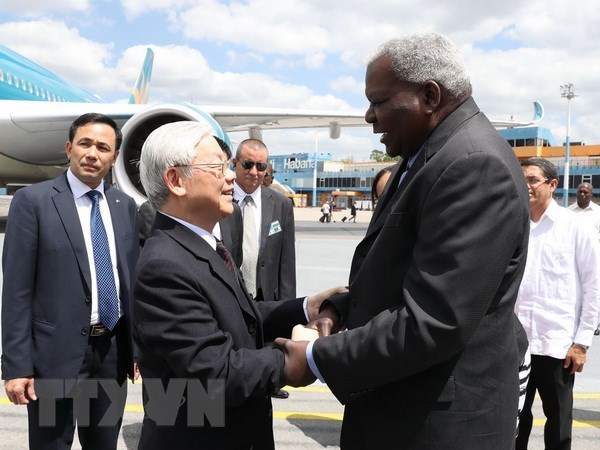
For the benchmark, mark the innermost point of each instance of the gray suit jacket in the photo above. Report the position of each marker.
(276, 266)
(46, 298)
(430, 357)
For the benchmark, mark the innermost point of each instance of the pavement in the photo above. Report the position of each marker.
(311, 417)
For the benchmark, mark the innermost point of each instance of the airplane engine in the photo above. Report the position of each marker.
(138, 128)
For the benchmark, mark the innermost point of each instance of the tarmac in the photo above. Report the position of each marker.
(311, 417)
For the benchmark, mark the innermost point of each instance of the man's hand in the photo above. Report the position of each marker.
(575, 358)
(296, 371)
(20, 391)
(136, 371)
(324, 325)
(314, 301)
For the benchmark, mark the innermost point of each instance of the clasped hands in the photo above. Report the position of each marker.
(297, 371)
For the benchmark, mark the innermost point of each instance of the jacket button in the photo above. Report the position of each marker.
(85, 331)
(251, 328)
(88, 298)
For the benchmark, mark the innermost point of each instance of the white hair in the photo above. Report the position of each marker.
(420, 57)
(172, 144)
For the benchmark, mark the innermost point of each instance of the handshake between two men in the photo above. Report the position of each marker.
(324, 320)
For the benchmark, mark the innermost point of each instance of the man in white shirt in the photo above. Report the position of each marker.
(585, 205)
(591, 214)
(558, 304)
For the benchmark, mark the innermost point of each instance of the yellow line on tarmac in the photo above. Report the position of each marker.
(299, 415)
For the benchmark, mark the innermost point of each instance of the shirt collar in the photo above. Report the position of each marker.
(239, 194)
(79, 188)
(552, 211)
(208, 237)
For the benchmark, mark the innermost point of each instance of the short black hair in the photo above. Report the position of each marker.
(376, 180)
(223, 146)
(548, 169)
(88, 118)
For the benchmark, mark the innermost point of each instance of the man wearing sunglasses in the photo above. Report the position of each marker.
(269, 258)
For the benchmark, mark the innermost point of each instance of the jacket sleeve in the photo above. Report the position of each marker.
(287, 271)
(463, 247)
(19, 269)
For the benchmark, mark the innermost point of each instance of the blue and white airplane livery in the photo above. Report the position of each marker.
(38, 106)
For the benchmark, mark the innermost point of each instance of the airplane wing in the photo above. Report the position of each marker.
(34, 133)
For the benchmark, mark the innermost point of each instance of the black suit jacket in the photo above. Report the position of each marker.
(195, 320)
(276, 265)
(430, 358)
(46, 298)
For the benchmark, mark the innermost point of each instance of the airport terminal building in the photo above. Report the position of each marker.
(344, 182)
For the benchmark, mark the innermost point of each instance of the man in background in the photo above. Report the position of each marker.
(268, 249)
(69, 253)
(268, 180)
(590, 212)
(558, 304)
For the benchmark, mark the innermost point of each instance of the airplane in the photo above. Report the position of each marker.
(37, 107)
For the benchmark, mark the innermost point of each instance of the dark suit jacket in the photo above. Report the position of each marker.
(231, 229)
(195, 320)
(430, 358)
(46, 299)
(232, 234)
(276, 266)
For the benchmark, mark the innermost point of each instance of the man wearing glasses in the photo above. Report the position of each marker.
(195, 324)
(269, 258)
(558, 304)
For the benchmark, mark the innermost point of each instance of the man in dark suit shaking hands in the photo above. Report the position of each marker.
(194, 319)
(430, 357)
(69, 252)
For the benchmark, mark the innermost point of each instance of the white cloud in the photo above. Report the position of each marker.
(346, 84)
(62, 49)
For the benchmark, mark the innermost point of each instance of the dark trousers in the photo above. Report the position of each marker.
(555, 386)
(98, 416)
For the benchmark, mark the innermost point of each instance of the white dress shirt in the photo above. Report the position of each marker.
(590, 215)
(559, 298)
(84, 209)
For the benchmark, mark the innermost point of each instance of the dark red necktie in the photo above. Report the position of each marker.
(224, 254)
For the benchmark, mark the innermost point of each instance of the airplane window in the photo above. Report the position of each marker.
(37, 90)
(1, 75)
(23, 85)
(30, 87)
(43, 93)
(8, 78)
(16, 82)
(53, 97)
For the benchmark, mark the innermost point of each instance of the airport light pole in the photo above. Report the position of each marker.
(567, 91)
(314, 199)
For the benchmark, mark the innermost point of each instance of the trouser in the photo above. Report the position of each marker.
(98, 416)
(555, 387)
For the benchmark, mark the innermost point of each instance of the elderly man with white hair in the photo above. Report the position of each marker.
(194, 320)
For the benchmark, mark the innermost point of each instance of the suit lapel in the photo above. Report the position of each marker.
(120, 224)
(202, 250)
(67, 211)
(267, 207)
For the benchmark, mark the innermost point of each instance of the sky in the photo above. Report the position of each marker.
(312, 53)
